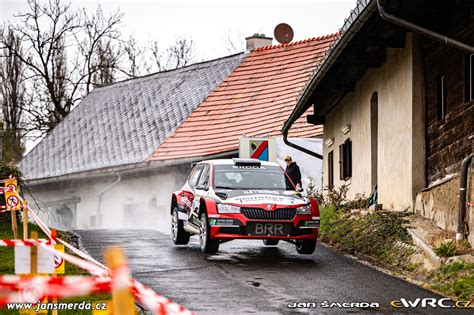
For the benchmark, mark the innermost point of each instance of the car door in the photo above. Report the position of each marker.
(201, 189)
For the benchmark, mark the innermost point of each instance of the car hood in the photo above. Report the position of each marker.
(252, 197)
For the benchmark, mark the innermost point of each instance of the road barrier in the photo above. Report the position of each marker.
(115, 278)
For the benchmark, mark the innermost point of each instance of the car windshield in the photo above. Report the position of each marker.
(247, 177)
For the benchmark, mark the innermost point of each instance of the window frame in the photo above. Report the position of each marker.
(197, 168)
(331, 169)
(204, 174)
(345, 160)
(442, 97)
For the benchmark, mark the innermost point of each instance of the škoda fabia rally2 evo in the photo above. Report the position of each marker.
(223, 200)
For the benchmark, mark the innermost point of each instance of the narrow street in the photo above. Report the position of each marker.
(247, 277)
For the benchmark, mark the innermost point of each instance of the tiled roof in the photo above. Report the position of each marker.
(254, 100)
(123, 123)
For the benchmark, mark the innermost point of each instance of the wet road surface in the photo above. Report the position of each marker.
(248, 277)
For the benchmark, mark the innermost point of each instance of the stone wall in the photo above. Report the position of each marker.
(440, 203)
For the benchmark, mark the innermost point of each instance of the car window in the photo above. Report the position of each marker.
(194, 177)
(204, 180)
(233, 177)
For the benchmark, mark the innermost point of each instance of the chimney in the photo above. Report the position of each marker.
(257, 40)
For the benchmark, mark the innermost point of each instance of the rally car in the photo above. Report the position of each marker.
(229, 199)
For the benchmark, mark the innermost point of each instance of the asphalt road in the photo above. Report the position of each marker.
(247, 277)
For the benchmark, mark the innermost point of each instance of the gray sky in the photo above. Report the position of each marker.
(210, 22)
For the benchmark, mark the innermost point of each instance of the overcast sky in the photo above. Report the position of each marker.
(209, 23)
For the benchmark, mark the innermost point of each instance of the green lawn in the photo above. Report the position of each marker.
(7, 266)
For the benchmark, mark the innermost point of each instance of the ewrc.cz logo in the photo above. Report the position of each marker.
(430, 302)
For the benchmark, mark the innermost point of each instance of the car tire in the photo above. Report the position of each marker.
(208, 246)
(270, 242)
(306, 247)
(178, 234)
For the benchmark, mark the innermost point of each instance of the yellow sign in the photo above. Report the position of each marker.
(11, 197)
(59, 263)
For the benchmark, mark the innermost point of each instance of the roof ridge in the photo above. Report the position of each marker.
(303, 41)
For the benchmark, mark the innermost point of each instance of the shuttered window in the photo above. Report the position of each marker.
(331, 169)
(345, 160)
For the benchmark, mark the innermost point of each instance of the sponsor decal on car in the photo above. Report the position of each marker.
(279, 200)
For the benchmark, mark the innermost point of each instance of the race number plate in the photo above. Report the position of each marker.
(270, 228)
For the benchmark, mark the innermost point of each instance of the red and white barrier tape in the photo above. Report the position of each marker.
(84, 264)
(81, 254)
(33, 289)
(155, 302)
(25, 242)
(144, 295)
(6, 189)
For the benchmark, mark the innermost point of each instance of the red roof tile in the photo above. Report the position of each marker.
(254, 100)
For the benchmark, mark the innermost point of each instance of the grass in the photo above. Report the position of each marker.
(7, 266)
(360, 233)
(455, 279)
(449, 248)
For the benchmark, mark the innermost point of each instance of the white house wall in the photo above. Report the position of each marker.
(394, 84)
(134, 202)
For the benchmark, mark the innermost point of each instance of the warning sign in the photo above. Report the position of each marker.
(12, 201)
(11, 194)
(59, 263)
(259, 149)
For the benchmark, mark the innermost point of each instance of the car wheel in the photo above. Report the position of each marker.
(207, 245)
(178, 234)
(270, 242)
(305, 246)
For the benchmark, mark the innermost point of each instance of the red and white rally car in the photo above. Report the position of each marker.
(223, 200)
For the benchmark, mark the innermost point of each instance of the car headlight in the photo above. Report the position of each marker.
(224, 208)
(304, 209)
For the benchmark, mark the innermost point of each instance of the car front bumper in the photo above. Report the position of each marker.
(237, 226)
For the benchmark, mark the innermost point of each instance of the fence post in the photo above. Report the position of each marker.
(34, 254)
(122, 298)
(14, 224)
(54, 298)
(25, 220)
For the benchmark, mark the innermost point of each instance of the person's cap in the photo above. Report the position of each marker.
(287, 158)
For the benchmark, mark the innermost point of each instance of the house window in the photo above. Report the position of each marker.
(469, 77)
(345, 160)
(442, 97)
(331, 169)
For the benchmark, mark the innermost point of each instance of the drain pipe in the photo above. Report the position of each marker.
(100, 196)
(300, 148)
(423, 31)
(462, 197)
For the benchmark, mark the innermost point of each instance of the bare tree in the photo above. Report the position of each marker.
(100, 49)
(180, 54)
(157, 57)
(135, 64)
(106, 63)
(60, 46)
(13, 99)
(233, 41)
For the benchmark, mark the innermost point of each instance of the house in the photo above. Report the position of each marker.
(397, 105)
(118, 156)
